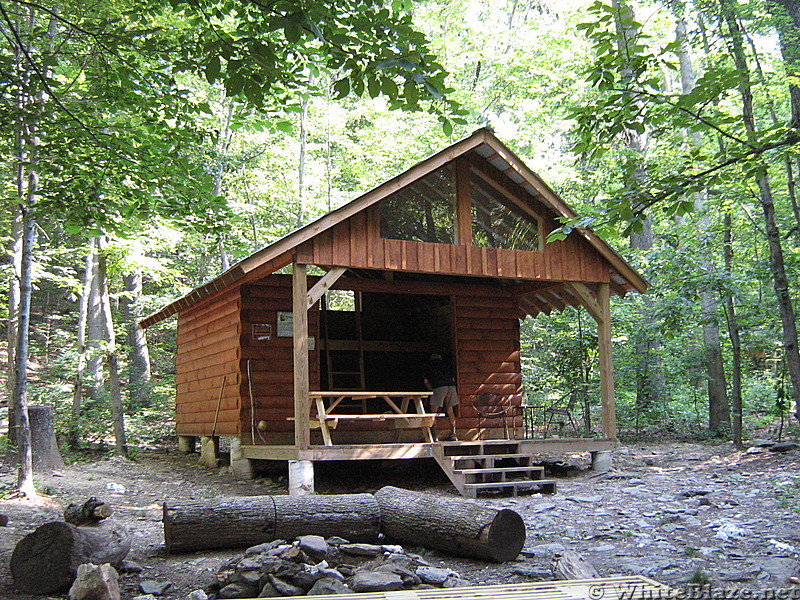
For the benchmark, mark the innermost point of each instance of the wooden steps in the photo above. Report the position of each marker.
(546, 486)
(490, 467)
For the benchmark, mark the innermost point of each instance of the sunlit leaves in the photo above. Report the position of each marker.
(263, 54)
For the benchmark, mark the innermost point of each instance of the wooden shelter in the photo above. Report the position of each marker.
(312, 348)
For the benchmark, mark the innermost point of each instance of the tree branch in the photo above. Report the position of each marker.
(789, 141)
(692, 114)
(35, 68)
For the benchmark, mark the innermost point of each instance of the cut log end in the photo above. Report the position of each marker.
(460, 527)
(506, 536)
(91, 511)
(47, 560)
(36, 568)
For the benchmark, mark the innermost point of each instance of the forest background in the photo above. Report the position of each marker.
(149, 145)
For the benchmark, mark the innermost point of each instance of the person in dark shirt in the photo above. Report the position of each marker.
(439, 378)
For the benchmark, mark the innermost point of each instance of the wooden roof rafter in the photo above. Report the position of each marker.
(536, 306)
(529, 288)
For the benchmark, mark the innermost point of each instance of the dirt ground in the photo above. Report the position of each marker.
(679, 513)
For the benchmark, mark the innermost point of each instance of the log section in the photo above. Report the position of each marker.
(46, 561)
(459, 527)
(242, 522)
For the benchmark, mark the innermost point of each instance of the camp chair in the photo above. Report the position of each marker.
(561, 410)
(491, 406)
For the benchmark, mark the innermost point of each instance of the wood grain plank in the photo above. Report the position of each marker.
(359, 240)
(507, 263)
(325, 243)
(475, 264)
(341, 244)
(305, 252)
(486, 334)
(226, 323)
(393, 254)
(427, 258)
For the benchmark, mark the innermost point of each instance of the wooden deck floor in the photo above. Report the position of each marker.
(609, 588)
(415, 450)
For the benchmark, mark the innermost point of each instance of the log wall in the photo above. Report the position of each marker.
(208, 351)
(271, 367)
(488, 355)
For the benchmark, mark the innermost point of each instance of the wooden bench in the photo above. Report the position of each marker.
(400, 417)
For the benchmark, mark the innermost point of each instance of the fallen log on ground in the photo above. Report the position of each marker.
(571, 565)
(91, 511)
(248, 521)
(460, 527)
(46, 561)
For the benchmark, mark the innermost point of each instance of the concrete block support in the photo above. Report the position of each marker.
(187, 443)
(301, 477)
(241, 467)
(602, 461)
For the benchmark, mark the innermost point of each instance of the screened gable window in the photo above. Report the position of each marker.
(423, 211)
(497, 223)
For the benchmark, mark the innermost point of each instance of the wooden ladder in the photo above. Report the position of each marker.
(491, 467)
(350, 376)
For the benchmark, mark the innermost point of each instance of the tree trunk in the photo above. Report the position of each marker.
(651, 379)
(718, 407)
(223, 146)
(776, 262)
(138, 353)
(719, 413)
(787, 22)
(301, 163)
(46, 561)
(45, 455)
(459, 527)
(243, 522)
(733, 334)
(15, 260)
(19, 399)
(80, 369)
(117, 408)
(95, 335)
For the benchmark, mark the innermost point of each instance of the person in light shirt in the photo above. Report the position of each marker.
(439, 379)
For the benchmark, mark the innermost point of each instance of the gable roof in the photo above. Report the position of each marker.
(277, 254)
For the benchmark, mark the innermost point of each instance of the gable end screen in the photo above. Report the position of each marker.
(425, 211)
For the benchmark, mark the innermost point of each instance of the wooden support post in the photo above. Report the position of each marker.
(606, 362)
(302, 432)
(463, 205)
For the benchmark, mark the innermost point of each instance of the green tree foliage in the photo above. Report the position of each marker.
(134, 97)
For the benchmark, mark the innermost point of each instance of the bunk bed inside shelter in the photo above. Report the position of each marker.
(313, 348)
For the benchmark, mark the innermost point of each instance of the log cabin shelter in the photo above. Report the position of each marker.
(313, 347)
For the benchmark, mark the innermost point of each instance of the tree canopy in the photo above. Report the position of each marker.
(190, 133)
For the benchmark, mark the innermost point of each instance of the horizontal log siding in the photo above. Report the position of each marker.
(271, 364)
(488, 354)
(208, 350)
(356, 242)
